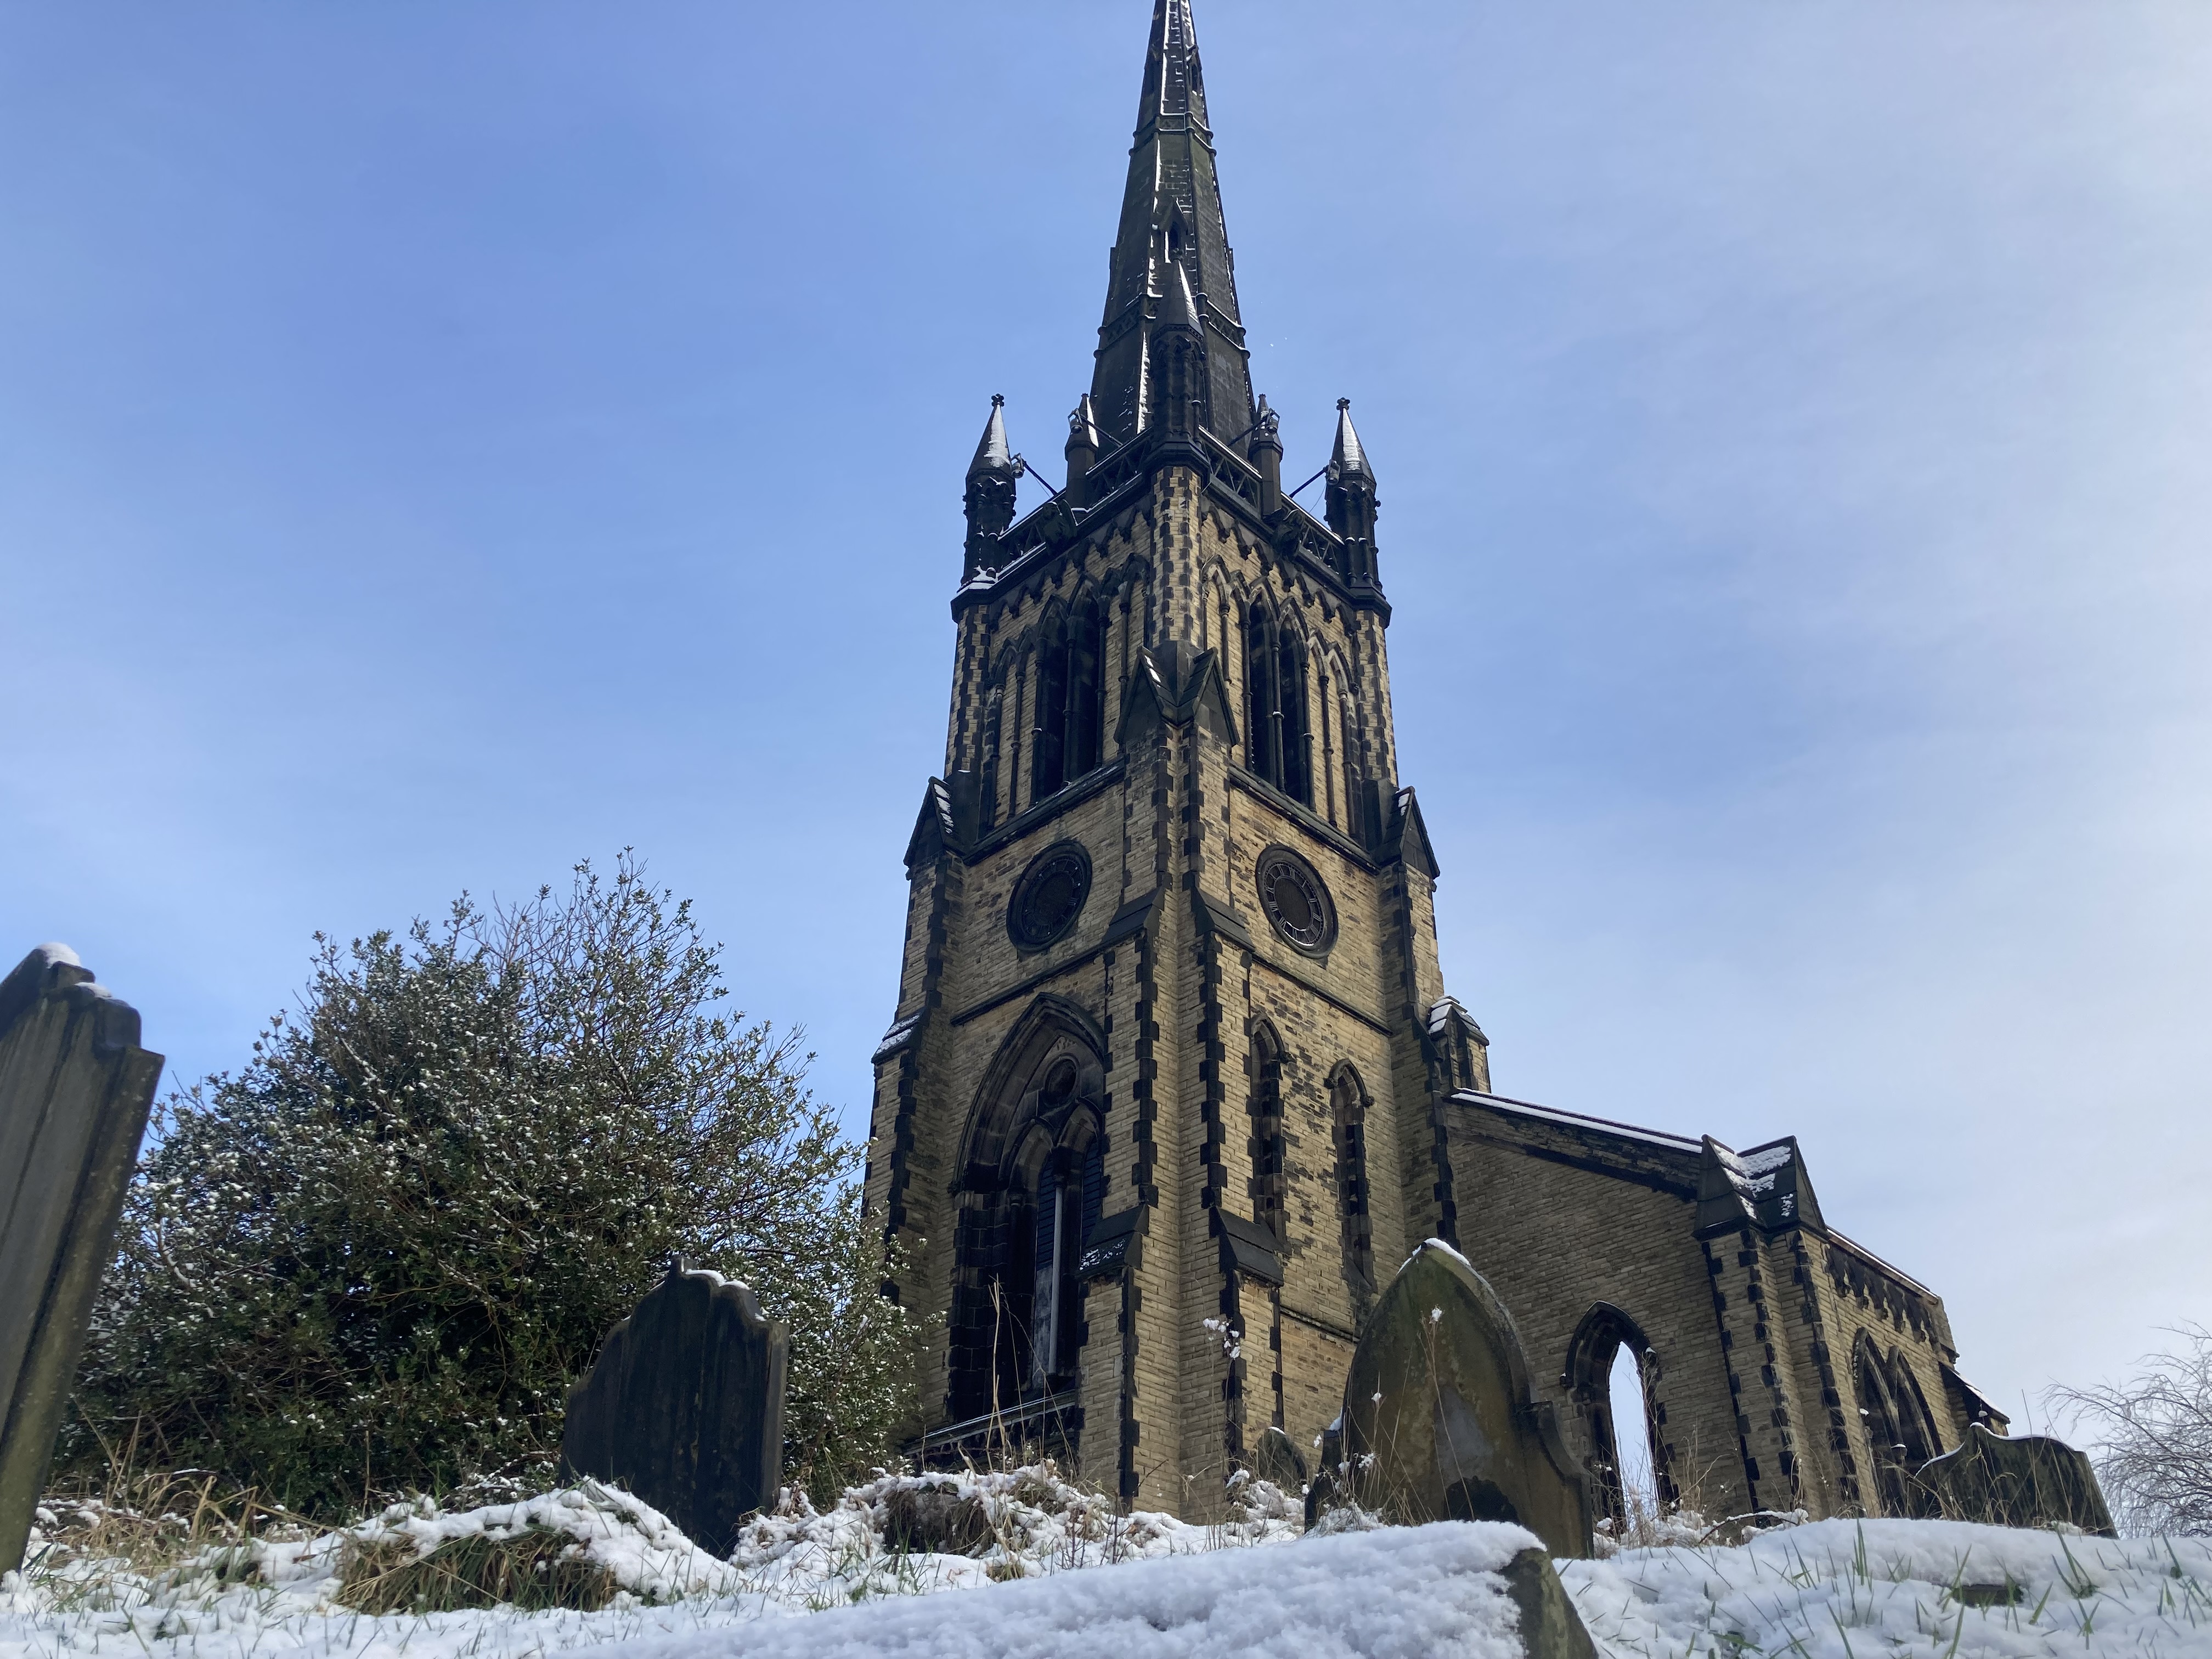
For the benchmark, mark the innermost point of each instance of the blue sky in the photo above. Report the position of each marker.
(439, 442)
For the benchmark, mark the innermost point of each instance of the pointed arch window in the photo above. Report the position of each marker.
(1068, 1186)
(1901, 1430)
(992, 704)
(1347, 724)
(1275, 726)
(1613, 1379)
(1266, 1106)
(1070, 710)
(1347, 1102)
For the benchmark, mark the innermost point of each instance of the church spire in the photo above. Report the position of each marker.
(1352, 500)
(1171, 216)
(989, 498)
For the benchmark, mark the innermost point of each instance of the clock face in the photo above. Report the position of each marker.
(1049, 897)
(1294, 900)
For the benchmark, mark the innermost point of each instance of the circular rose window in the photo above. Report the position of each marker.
(1049, 896)
(1295, 899)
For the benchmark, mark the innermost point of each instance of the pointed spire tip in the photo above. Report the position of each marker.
(992, 455)
(1349, 459)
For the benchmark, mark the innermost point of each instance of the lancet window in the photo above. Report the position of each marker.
(1348, 1106)
(1069, 1189)
(1275, 726)
(1899, 1428)
(1266, 1105)
(1612, 1378)
(1070, 711)
(993, 705)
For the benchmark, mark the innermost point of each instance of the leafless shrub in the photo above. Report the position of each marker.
(2152, 1438)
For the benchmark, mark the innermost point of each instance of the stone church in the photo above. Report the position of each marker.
(1174, 1082)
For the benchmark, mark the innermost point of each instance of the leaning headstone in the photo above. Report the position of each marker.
(684, 1407)
(2032, 1481)
(1439, 1421)
(74, 1090)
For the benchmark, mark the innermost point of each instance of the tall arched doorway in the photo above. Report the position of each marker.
(1032, 1176)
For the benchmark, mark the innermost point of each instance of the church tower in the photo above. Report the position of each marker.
(1163, 1099)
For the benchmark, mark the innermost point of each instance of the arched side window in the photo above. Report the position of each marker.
(1070, 720)
(1086, 705)
(1922, 1441)
(992, 704)
(1896, 1420)
(1275, 725)
(1062, 1167)
(1611, 1379)
(1297, 779)
(1348, 1101)
(1348, 725)
(1266, 1099)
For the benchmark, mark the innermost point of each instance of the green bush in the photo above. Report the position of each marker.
(374, 1260)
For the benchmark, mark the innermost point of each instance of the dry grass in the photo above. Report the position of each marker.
(140, 1527)
(148, 1523)
(532, 1569)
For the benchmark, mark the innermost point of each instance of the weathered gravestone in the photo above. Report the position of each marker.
(75, 1089)
(2032, 1481)
(684, 1407)
(1439, 1423)
(1276, 1458)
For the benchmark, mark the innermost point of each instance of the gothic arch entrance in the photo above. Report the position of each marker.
(1032, 1178)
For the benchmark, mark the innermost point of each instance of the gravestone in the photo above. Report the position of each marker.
(684, 1407)
(2032, 1481)
(75, 1089)
(1551, 1626)
(1439, 1421)
(1276, 1458)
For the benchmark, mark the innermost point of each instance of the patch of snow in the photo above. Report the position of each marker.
(1767, 1160)
(1438, 1244)
(1425, 1592)
(1854, 1589)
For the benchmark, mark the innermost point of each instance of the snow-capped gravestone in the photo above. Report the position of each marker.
(1439, 1421)
(684, 1408)
(75, 1089)
(2032, 1481)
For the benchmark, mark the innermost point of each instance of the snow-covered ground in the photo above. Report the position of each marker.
(862, 1578)
(1854, 1589)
